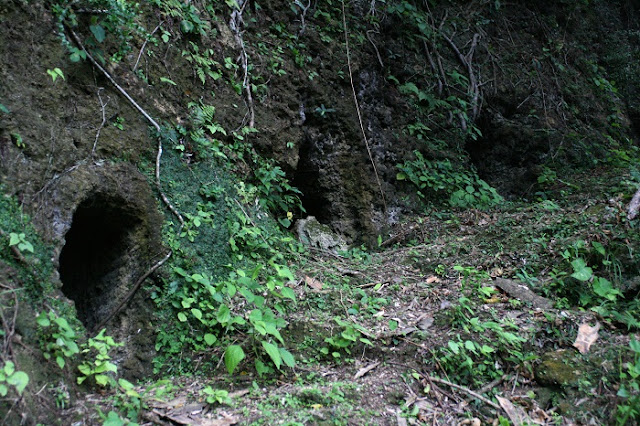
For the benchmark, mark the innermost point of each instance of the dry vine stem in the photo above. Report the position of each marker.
(235, 23)
(357, 104)
(166, 201)
(145, 114)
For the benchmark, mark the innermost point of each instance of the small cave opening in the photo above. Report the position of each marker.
(307, 179)
(508, 155)
(97, 255)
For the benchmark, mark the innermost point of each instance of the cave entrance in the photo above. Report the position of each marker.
(96, 257)
(508, 155)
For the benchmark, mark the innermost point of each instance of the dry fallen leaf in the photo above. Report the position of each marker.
(515, 414)
(587, 335)
(433, 279)
(313, 283)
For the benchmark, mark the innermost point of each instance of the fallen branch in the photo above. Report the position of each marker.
(357, 104)
(463, 389)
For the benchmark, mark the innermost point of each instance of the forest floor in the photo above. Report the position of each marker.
(433, 330)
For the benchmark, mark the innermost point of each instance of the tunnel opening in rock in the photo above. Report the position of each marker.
(508, 156)
(97, 255)
(307, 179)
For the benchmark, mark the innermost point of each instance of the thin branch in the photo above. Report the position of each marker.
(133, 291)
(104, 120)
(375, 48)
(145, 114)
(144, 45)
(466, 61)
(235, 23)
(302, 16)
(464, 389)
(355, 100)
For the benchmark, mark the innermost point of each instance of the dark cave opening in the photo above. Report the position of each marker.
(307, 179)
(508, 156)
(96, 255)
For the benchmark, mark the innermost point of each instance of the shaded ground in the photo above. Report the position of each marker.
(402, 311)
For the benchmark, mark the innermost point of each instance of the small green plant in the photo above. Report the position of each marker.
(463, 188)
(20, 240)
(350, 335)
(16, 138)
(10, 377)
(55, 73)
(629, 407)
(322, 111)
(216, 396)
(97, 363)
(57, 338)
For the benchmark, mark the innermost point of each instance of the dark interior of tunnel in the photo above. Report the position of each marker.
(94, 255)
(306, 179)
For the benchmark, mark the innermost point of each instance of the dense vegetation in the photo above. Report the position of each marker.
(460, 148)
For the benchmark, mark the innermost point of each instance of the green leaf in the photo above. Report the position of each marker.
(288, 293)
(98, 32)
(635, 346)
(210, 339)
(581, 271)
(197, 313)
(166, 80)
(20, 380)
(42, 320)
(101, 379)
(232, 357)
(182, 317)
(113, 419)
(274, 354)
(186, 26)
(60, 362)
(9, 368)
(13, 239)
(224, 314)
(393, 325)
(4, 109)
(3, 390)
(287, 357)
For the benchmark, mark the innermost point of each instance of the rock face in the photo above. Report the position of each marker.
(314, 234)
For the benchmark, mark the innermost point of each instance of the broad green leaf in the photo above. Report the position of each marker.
(232, 357)
(224, 314)
(42, 320)
(182, 317)
(635, 345)
(101, 379)
(581, 271)
(3, 390)
(274, 354)
(20, 380)
(288, 293)
(197, 313)
(287, 357)
(60, 362)
(113, 419)
(98, 32)
(9, 368)
(13, 239)
(210, 339)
